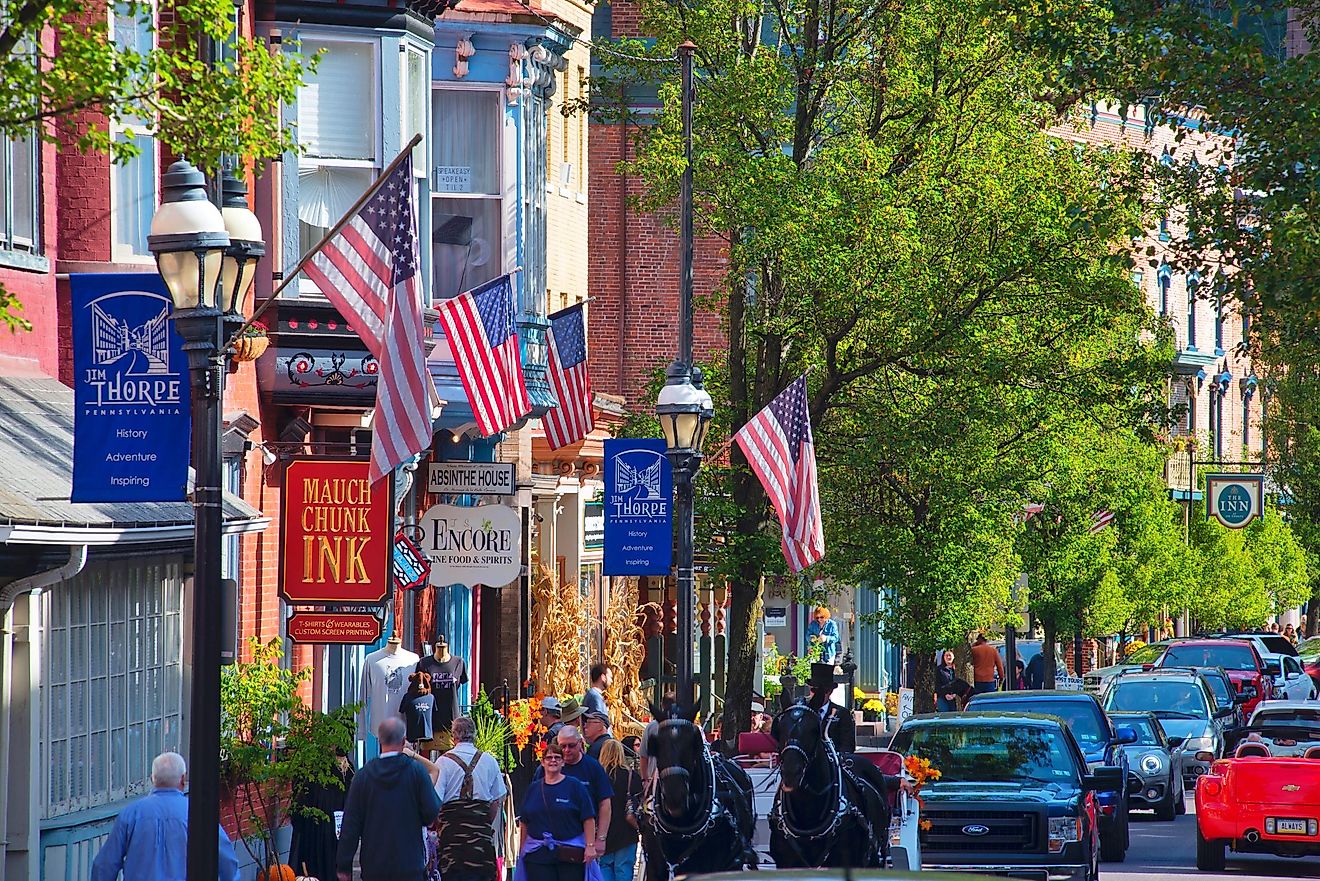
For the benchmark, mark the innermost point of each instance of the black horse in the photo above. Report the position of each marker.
(823, 816)
(699, 817)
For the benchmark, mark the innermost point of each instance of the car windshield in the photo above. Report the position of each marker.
(1217, 684)
(990, 753)
(1083, 717)
(1143, 725)
(1286, 716)
(1146, 654)
(1161, 698)
(1228, 656)
(1278, 645)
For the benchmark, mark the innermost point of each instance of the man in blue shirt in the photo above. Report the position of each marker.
(149, 841)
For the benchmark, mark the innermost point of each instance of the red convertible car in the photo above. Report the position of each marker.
(1257, 804)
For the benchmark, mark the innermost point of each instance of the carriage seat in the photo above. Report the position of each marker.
(886, 762)
(756, 746)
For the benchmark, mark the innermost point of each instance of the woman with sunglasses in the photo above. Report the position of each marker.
(824, 633)
(557, 826)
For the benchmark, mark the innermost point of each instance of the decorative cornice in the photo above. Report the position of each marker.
(546, 59)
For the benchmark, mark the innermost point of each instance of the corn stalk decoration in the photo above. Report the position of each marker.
(625, 650)
(560, 624)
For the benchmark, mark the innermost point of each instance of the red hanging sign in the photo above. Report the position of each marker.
(334, 628)
(336, 533)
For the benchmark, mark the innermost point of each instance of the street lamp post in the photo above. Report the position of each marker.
(685, 409)
(208, 260)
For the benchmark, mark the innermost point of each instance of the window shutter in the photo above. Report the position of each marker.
(338, 102)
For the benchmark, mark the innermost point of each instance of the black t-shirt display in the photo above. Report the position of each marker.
(446, 677)
(418, 711)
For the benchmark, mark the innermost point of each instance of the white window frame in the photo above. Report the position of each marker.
(305, 284)
(121, 252)
(9, 239)
(137, 606)
(501, 169)
(408, 51)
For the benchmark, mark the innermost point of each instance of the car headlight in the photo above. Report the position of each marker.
(1152, 764)
(1198, 744)
(1062, 831)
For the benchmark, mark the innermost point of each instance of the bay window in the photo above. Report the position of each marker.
(467, 208)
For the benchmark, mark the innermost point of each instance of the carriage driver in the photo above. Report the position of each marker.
(842, 732)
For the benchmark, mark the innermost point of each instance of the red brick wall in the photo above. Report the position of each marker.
(634, 261)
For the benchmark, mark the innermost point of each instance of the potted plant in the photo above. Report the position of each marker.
(270, 743)
(252, 342)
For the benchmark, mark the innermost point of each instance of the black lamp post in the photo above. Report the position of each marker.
(208, 260)
(685, 409)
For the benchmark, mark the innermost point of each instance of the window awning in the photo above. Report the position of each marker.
(36, 461)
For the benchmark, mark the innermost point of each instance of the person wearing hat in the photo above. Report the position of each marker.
(551, 718)
(836, 721)
(571, 712)
(596, 729)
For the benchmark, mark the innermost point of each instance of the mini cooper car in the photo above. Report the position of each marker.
(1257, 804)
(1155, 777)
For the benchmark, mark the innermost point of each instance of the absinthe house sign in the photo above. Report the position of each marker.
(471, 546)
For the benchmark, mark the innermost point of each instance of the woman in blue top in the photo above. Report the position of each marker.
(557, 812)
(824, 633)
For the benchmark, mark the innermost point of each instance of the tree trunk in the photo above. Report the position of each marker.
(744, 613)
(1313, 609)
(923, 701)
(1047, 646)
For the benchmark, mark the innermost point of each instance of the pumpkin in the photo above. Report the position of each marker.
(278, 872)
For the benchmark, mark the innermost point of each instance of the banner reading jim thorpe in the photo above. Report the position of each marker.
(639, 508)
(130, 391)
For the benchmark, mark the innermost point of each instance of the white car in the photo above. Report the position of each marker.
(1293, 683)
(1284, 712)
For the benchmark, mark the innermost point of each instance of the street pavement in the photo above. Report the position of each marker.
(1167, 850)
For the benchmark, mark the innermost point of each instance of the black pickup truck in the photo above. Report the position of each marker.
(1014, 797)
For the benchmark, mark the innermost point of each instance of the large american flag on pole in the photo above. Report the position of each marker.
(778, 445)
(571, 421)
(368, 271)
(484, 342)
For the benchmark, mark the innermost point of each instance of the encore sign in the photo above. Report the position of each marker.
(335, 530)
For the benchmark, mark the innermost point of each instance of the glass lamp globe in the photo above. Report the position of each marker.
(188, 238)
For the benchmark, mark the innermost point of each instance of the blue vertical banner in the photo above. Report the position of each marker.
(131, 417)
(639, 508)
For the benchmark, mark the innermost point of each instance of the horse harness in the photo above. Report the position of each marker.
(695, 834)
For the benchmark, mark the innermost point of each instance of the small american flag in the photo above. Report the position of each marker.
(1100, 519)
(778, 445)
(368, 271)
(571, 421)
(479, 325)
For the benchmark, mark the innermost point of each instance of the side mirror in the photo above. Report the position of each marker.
(1247, 693)
(1126, 734)
(1104, 779)
(1224, 713)
(1273, 668)
(1176, 742)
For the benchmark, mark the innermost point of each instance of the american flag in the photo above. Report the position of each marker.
(368, 271)
(479, 325)
(571, 420)
(778, 445)
(1100, 519)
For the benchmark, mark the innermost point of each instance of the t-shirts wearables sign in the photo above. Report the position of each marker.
(472, 545)
(336, 533)
(639, 508)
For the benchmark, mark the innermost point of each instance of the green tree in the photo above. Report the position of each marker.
(1247, 574)
(272, 743)
(58, 59)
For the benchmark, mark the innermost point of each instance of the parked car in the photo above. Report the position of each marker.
(1226, 696)
(1099, 740)
(1294, 684)
(1257, 805)
(1309, 654)
(1014, 797)
(1266, 643)
(1185, 704)
(1252, 675)
(1154, 779)
(1285, 728)
(1097, 679)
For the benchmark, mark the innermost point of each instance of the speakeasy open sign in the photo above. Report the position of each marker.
(471, 545)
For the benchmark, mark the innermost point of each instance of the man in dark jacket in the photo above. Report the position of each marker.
(391, 800)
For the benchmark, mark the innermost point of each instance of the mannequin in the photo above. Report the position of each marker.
(384, 682)
(447, 672)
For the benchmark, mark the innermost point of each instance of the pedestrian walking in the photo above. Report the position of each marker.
(471, 789)
(149, 841)
(596, 729)
(1290, 634)
(987, 666)
(579, 765)
(824, 632)
(390, 802)
(551, 711)
(1019, 675)
(950, 688)
(594, 700)
(620, 855)
(556, 826)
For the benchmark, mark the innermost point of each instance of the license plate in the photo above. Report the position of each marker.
(1290, 827)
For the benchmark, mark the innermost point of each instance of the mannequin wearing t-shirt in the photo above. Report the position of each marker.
(384, 683)
(448, 672)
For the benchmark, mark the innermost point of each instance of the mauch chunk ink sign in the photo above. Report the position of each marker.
(639, 500)
(130, 391)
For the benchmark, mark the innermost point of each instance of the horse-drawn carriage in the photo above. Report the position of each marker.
(790, 797)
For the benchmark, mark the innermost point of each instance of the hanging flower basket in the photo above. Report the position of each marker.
(252, 343)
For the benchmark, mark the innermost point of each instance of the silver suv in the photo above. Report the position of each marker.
(1184, 702)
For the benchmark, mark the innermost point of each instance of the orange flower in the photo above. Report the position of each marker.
(925, 825)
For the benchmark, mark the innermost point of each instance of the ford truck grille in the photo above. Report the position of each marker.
(956, 829)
